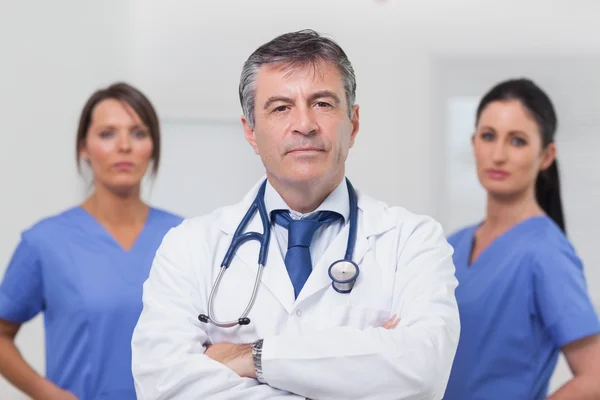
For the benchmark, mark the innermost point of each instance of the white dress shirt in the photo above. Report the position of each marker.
(337, 201)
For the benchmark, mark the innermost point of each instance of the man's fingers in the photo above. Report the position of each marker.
(391, 323)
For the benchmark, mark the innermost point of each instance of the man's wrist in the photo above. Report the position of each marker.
(257, 359)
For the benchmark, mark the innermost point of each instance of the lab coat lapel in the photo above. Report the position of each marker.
(275, 277)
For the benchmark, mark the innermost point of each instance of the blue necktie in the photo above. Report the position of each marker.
(300, 233)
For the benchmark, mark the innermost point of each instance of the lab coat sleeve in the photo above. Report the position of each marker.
(168, 360)
(412, 361)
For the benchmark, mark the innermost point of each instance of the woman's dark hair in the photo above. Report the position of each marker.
(136, 100)
(539, 105)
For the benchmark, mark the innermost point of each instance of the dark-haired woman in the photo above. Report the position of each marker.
(85, 267)
(522, 293)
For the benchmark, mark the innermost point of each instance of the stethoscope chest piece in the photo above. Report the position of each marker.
(343, 274)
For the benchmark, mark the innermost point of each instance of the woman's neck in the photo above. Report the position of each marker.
(503, 213)
(116, 210)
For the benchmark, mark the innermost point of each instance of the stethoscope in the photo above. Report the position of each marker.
(343, 273)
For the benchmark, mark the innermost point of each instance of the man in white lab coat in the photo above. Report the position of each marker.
(393, 336)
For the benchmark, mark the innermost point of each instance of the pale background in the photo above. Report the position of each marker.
(420, 66)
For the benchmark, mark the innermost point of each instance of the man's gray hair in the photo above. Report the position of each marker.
(295, 49)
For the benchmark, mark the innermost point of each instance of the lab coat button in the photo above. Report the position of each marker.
(299, 313)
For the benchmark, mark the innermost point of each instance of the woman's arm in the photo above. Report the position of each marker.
(583, 357)
(19, 373)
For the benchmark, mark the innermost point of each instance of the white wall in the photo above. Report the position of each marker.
(201, 184)
(54, 54)
(187, 56)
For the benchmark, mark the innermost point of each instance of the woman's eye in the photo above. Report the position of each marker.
(140, 133)
(518, 142)
(487, 136)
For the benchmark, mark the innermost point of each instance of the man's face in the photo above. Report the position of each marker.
(302, 129)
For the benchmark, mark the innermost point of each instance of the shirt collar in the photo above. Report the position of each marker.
(337, 201)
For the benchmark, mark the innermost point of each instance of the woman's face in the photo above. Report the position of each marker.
(508, 149)
(118, 146)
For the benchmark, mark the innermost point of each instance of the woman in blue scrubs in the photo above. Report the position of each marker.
(522, 293)
(84, 268)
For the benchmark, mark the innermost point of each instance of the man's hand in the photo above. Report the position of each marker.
(238, 357)
(391, 323)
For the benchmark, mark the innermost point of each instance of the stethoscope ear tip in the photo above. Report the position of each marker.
(203, 318)
(244, 321)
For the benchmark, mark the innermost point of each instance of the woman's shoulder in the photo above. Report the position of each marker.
(72, 218)
(546, 241)
(534, 234)
(53, 224)
(462, 234)
(164, 220)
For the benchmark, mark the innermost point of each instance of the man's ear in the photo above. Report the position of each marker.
(249, 133)
(355, 121)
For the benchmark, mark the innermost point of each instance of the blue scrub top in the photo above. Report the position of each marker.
(90, 290)
(522, 300)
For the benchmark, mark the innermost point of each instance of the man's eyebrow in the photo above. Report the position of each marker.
(275, 99)
(325, 93)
